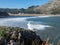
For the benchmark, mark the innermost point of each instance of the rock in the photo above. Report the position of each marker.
(19, 35)
(3, 14)
(2, 41)
(23, 37)
(12, 42)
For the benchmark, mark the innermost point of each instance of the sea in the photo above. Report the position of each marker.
(44, 26)
(33, 23)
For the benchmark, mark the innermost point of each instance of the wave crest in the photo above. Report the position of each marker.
(37, 26)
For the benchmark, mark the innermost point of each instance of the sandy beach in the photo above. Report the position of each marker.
(34, 14)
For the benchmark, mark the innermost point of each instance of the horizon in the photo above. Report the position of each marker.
(21, 3)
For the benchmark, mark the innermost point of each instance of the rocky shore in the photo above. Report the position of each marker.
(19, 36)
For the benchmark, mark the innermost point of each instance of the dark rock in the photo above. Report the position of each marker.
(27, 37)
(3, 14)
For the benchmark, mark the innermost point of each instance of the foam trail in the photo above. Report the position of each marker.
(37, 26)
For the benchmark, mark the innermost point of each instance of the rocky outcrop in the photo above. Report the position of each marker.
(3, 14)
(19, 36)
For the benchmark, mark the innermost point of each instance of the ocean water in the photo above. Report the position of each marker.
(33, 23)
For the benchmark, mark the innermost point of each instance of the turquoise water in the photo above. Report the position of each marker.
(52, 21)
(32, 23)
(44, 26)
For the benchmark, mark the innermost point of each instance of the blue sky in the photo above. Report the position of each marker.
(20, 3)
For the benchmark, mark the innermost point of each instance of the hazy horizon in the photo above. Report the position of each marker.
(21, 3)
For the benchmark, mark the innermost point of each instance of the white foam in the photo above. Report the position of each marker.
(13, 22)
(22, 19)
(36, 26)
(21, 22)
(12, 19)
(44, 16)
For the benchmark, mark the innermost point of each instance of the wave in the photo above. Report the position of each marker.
(21, 19)
(12, 19)
(22, 22)
(44, 16)
(13, 22)
(37, 26)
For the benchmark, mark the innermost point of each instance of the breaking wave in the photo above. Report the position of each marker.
(35, 26)
(24, 23)
(44, 16)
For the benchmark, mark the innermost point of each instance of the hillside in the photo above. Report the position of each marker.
(53, 6)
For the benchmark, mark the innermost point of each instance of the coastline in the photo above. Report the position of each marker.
(33, 14)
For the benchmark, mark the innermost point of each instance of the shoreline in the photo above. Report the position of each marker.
(34, 15)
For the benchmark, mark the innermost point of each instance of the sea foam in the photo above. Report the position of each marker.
(37, 26)
(12, 22)
(44, 16)
(22, 22)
